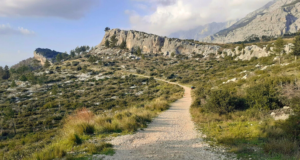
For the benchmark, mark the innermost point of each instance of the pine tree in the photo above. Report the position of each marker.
(6, 74)
(113, 41)
(279, 47)
(1, 72)
(59, 58)
(123, 45)
(107, 44)
(13, 84)
(47, 64)
(139, 51)
(106, 29)
(9, 113)
(296, 48)
(54, 89)
(72, 53)
(77, 50)
(23, 78)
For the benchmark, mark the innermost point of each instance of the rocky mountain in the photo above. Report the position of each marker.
(276, 18)
(203, 31)
(150, 43)
(153, 44)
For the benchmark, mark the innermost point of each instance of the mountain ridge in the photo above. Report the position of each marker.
(276, 18)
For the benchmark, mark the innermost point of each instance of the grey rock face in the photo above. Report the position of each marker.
(150, 43)
(203, 31)
(276, 18)
(153, 44)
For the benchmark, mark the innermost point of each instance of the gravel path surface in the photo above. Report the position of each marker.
(171, 136)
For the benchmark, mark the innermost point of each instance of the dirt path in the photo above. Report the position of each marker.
(171, 136)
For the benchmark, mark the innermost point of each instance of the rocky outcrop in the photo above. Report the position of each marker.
(40, 58)
(43, 54)
(249, 52)
(275, 19)
(155, 44)
(203, 31)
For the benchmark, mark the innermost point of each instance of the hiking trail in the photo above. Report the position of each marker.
(170, 136)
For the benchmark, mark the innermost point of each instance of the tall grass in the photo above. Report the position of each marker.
(83, 124)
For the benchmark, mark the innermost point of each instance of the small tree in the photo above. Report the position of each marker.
(54, 89)
(59, 58)
(72, 53)
(123, 45)
(296, 48)
(6, 74)
(106, 29)
(92, 59)
(107, 43)
(77, 50)
(139, 51)
(279, 47)
(13, 84)
(113, 41)
(10, 114)
(23, 78)
(172, 54)
(1, 72)
(47, 64)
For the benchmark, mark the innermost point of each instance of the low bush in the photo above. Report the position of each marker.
(223, 102)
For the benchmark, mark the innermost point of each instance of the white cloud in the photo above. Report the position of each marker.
(68, 9)
(6, 29)
(173, 15)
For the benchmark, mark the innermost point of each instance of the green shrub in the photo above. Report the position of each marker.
(262, 96)
(23, 78)
(295, 104)
(75, 139)
(223, 102)
(283, 146)
(75, 63)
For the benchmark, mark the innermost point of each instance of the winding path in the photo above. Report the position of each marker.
(170, 136)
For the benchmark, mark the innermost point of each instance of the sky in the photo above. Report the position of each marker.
(62, 25)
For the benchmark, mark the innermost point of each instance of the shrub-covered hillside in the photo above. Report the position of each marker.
(77, 104)
(249, 106)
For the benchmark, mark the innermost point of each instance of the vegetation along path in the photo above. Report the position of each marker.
(172, 135)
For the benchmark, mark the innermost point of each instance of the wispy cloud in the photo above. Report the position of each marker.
(169, 16)
(6, 29)
(68, 9)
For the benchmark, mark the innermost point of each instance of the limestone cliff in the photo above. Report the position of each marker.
(150, 43)
(276, 18)
(40, 58)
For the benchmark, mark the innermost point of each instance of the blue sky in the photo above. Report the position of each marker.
(62, 25)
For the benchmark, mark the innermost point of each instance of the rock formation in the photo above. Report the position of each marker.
(43, 55)
(40, 58)
(150, 43)
(153, 44)
(276, 18)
